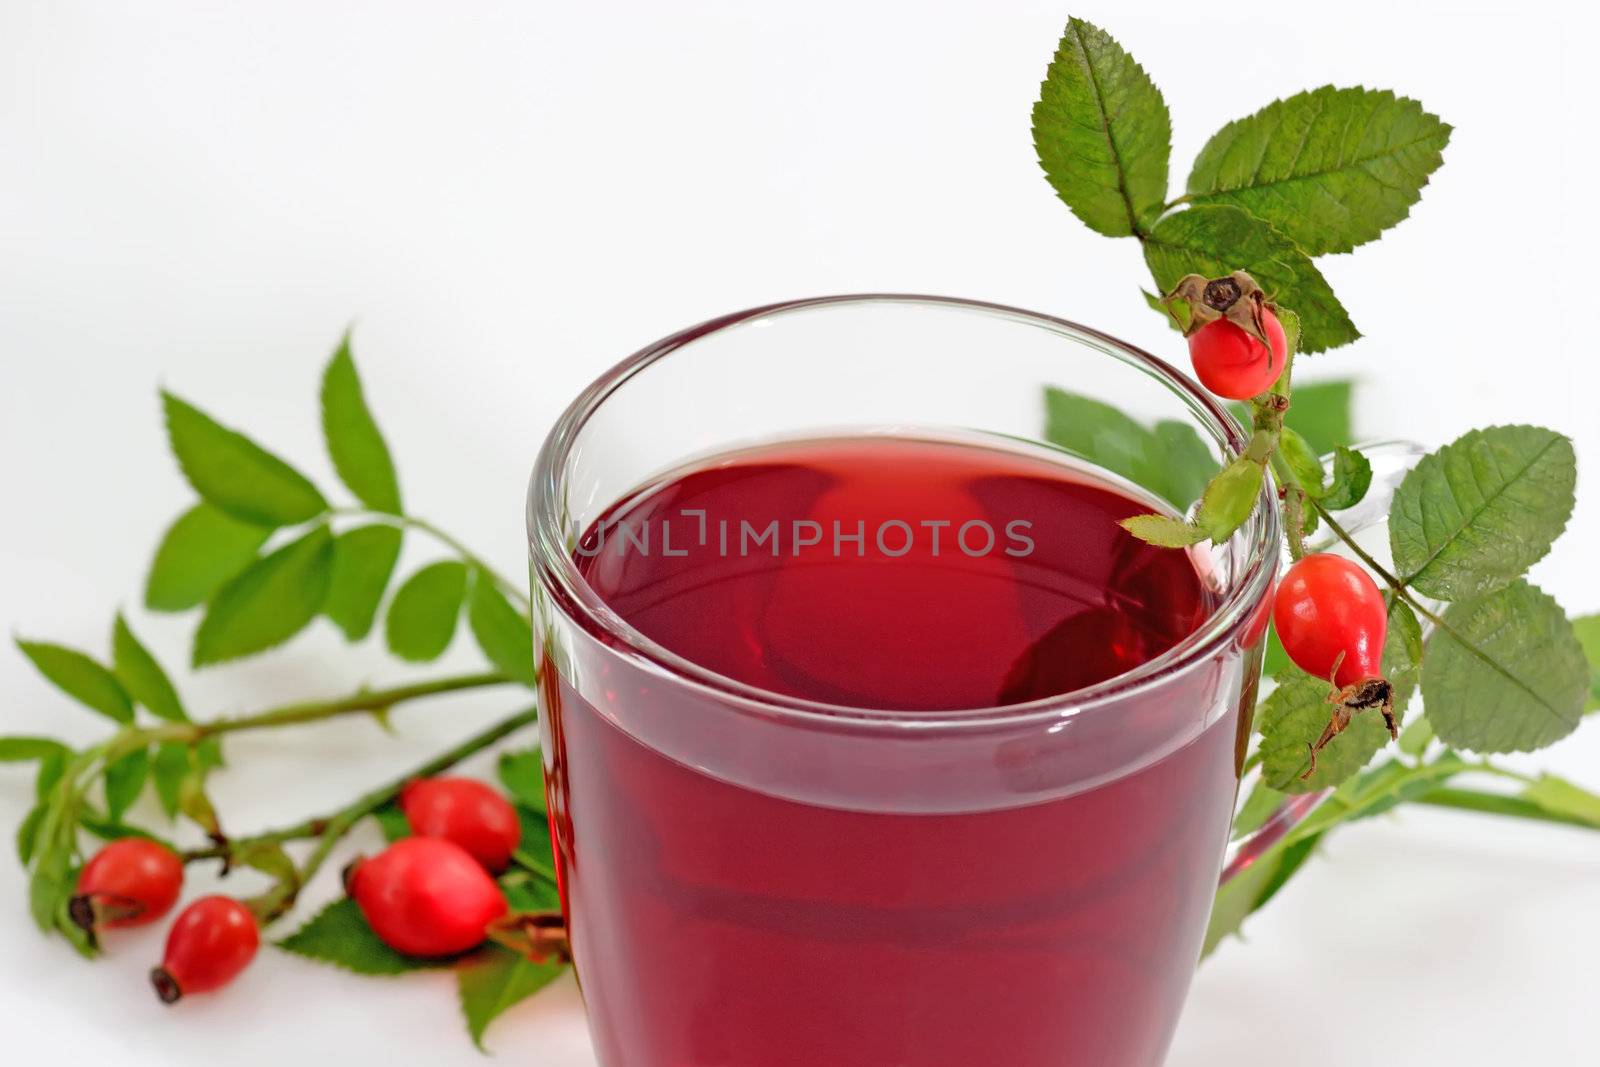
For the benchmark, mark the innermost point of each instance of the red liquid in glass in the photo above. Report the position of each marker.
(717, 925)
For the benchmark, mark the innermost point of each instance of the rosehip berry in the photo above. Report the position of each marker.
(212, 940)
(1233, 364)
(424, 896)
(466, 812)
(1327, 608)
(130, 882)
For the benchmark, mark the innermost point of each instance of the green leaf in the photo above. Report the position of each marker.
(392, 821)
(1321, 413)
(1588, 631)
(1176, 312)
(81, 678)
(1098, 432)
(204, 548)
(422, 616)
(125, 780)
(272, 860)
(106, 830)
(503, 632)
(1479, 512)
(1170, 459)
(142, 675)
(1329, 168)
(271, 601)
(1402, 653)
(235, 473)
(363, 561)
(354, 442)
(1561, 797)
(172, 763)
(28, 749)
(1505, 673)
(522, 773)
(1415, 738)
(195, 805)
(50, 882)
(535, 848)
(494, 979)
(1378, 790)
(1352, 477)
(1103, 133)
(1229, 499)
(28, 833)
(1249, 890)
(1163, 531)
(1293, 718)
(1276, 659)
(1294, 329)
(74, 935)
(1213, 239)
(338, 934)
(1187, 463)
(51, 768)
(526, 891)
(1303, 461)
(1262, 803)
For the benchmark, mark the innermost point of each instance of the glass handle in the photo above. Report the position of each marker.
(1368, 523)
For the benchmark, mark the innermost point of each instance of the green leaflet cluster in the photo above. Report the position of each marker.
(1320, 172)
(261, 555)
(1500, 667)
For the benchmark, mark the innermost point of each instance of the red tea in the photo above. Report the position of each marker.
(723, 916)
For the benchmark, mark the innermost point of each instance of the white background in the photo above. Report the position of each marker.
(507, 198)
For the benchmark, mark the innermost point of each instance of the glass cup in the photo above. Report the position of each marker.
(750, 879)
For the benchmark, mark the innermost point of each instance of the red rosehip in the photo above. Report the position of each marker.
(1327, 608)
(1233, 364)
(425, 896)
(130, 882)
(212, 940)
(466, 812)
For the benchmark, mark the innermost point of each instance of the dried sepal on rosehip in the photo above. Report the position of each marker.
(1236, 342)
(1369, 694)
(130, 882)
(540, 936)
(1332, 621)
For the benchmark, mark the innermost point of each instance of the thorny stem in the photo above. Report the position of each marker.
(1268, 412)
(375, 700)
(69, 790)
(329, 830)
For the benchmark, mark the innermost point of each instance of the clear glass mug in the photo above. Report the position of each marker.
(754, 880)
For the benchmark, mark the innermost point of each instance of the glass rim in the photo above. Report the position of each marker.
(554, 568)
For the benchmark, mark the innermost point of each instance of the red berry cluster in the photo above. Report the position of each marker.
(431, 895)
(134, 882)
(428, 895)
